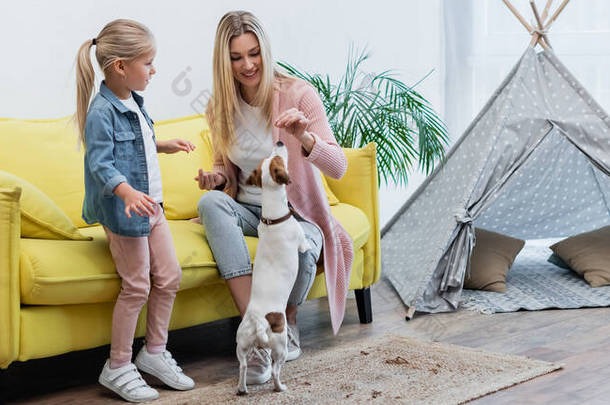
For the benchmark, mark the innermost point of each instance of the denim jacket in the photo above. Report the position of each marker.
(114, 154)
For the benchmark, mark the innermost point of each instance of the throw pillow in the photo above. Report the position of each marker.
(557, 261)
(492, 257)
(40, 216)
(588, 254)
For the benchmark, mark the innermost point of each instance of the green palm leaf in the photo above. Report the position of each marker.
(363, 108)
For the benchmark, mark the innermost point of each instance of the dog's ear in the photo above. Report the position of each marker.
(278, 172)
(255, 178)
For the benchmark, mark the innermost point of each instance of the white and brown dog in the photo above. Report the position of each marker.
(280, 239)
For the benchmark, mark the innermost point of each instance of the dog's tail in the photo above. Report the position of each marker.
(275, 321)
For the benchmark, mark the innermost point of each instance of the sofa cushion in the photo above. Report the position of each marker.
(89, 276)
(180, 190)
(332, 198)
(44, 152)
(354, 221)
(52, 145)
(57, 272)
(40, 216)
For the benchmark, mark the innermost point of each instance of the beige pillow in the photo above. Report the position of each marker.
(491, 259)
(588, 254)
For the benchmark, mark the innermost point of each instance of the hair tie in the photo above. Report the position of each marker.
(93, 41)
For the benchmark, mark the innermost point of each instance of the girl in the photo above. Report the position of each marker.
(122, 176)
(254, 105)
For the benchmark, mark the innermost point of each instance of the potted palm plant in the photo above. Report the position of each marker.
(363, 107)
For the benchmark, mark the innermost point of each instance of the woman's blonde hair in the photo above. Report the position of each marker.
(224, 101)
(118, 40)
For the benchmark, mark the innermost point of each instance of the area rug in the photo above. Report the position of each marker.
(533, 284)
(387, 369)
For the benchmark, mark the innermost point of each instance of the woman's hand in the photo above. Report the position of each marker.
(209, 180)
(175, 145)
(135, 200)
(296, 123)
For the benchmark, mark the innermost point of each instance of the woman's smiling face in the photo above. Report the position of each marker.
(246, 60)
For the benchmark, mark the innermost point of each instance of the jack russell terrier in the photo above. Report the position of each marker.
(280, 239)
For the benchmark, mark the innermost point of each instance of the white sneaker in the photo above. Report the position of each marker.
(294, 344)
(127, 382)
(165, 368)
(259, 366)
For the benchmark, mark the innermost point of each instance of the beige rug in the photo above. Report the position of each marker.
(388, 369)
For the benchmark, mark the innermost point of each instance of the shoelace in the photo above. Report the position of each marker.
(259, 354)
(173, 364)
(292, 336)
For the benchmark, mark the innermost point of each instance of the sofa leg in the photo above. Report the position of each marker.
(363, 300)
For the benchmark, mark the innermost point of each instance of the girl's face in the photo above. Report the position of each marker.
(246, 60)
(138, 71)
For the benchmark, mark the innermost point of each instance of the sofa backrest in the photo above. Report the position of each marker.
(45, 153)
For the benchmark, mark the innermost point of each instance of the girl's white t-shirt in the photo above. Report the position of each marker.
(253, 143)
(155, 188)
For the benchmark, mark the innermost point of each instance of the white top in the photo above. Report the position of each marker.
(253, 143)
(155, 189)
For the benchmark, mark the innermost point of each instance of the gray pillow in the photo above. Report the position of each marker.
(558, 261)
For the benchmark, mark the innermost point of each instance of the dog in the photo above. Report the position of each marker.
(280, 239)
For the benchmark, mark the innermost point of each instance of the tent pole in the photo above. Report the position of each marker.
(540, 25)
(410, 313)
(556, 14)
(545, 12)
(525, 24)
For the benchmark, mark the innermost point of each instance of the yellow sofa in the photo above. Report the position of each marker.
(57, 278)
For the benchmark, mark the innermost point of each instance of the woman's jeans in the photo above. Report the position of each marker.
(227, 221)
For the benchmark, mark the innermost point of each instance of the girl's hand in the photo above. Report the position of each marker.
(209, 180)
(175, 145)
(135, 200)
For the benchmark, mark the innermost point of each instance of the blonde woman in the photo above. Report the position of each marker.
(253, 106)
(122, 177)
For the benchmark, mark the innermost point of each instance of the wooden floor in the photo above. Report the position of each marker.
(580, 339)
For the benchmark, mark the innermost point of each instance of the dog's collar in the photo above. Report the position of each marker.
(268, 221)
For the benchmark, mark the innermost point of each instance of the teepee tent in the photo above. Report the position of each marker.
(535, 163)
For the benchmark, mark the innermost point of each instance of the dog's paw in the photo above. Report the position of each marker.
(241, 393)
(279, 388)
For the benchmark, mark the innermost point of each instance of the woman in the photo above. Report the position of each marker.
(253, 106)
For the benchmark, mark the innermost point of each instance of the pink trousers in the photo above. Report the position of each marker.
(149, 271)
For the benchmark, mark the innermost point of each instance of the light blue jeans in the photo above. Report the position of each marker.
(227, 221)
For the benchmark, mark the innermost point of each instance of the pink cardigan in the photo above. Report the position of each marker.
(305, 192)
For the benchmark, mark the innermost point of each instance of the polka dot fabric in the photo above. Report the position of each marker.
(534, 163)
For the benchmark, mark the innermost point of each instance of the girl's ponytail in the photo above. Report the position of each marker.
(85, 80)
(118, 40)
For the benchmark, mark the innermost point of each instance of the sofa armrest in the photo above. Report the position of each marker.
(10, 233)
(358, 187)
